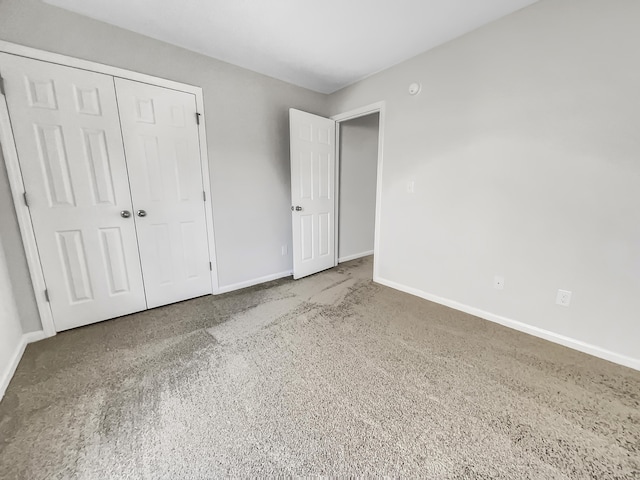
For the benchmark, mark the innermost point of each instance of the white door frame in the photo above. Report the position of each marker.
(378, 107)
(15, 176)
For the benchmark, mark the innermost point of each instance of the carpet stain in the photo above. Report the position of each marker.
(331, 375)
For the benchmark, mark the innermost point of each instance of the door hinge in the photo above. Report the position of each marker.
(46, 295)
(2, 85)
(210, 267)
(204, 196)
(197, 118)
(26, 202)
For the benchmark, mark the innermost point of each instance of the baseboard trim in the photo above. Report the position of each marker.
(7, 375)
(516, 325)
(31, 337)
(355, 256)
(251, 283)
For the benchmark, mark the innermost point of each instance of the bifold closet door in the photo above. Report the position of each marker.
(67, 134)
(162, 147)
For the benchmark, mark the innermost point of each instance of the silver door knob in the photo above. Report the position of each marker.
(297, 208)
(125, 213)
(141, 213)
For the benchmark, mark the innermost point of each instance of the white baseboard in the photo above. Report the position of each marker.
(522, 327)
(255, 281)
(10, 369)
(353, 257)
(7, 375)
(31, 337)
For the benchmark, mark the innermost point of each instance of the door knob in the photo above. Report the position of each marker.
(125, 213)
(296, 208)
(141, 213)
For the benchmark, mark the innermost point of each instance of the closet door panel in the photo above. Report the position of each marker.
(163, 158)
(67, 133)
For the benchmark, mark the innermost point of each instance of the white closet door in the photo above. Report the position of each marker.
(312, 192)
(162, 146)
(65, 124)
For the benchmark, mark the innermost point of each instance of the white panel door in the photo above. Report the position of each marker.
(65, 124)
(312, 192)
(162, 147)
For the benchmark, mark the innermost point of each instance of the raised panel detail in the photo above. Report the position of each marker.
(41, 93)
(166, 180)
(183, 172)
(306, 132)
(114, 260)
(189, 234)
(306, 236)
(145, 111)
(324, 175)
(97, 157)
(324, 136)
(163, 253)
(312, 188)
(177, 116)
(306, 175)
(152, 167)
(74, 260)
(324, 233)
(55, 167)
(87, 100)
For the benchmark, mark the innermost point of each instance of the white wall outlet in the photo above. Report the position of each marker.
(498, 282)
(284, 249)
(563, 298)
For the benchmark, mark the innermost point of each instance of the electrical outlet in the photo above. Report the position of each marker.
(498, 282)
(284, 249)
(563, 298)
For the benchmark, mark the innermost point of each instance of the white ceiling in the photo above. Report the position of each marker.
(321, 45)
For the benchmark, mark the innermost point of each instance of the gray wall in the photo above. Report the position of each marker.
(524, 147)
(358, 171)
(247, 130)
(16, 261)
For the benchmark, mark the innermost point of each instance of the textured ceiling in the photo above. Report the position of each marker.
(321, 45)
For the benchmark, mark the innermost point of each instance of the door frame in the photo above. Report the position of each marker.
(15, 175)
(378, 107)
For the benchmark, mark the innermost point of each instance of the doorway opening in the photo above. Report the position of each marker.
(328, 229)
(359, 158)
(357, 171)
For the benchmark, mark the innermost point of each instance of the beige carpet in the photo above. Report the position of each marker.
(330, 375)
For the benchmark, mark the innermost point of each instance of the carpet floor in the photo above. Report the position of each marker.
(331, 375)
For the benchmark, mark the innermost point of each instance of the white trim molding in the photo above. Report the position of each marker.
(64, 60)
(7, 375)
(520, 326)
(255, 281)
(355, 256)
(359, 112)
(31, 337)
(24, 219)
(379, 107)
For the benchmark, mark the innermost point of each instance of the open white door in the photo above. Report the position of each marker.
(312, 192)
